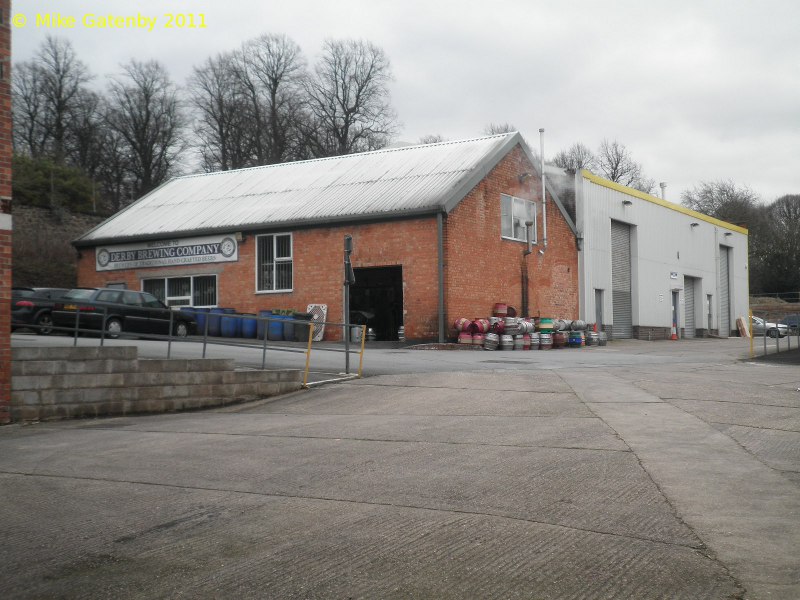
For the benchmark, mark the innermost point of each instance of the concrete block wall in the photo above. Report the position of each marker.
(62, 383)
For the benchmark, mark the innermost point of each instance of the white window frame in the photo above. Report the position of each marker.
(516, 205)
(276, 260)
(190, 297)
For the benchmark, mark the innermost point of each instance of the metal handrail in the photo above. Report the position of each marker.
(207, 340)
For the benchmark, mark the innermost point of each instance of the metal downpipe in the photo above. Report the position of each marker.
(440, 251)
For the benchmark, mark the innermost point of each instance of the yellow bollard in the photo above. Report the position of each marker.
(361, 358)
(308, 352)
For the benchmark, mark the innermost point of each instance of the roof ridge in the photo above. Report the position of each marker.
(346, 156)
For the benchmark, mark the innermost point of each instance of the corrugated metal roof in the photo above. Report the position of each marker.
(396, 181)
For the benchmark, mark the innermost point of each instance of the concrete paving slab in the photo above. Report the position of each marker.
(348, 398)
(170, 542)
(771, 417)
(495, 380)
(778, 449)
(484, 430)
(734, 502)
(548, 485)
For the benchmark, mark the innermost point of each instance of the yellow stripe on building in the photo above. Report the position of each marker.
(655, 200)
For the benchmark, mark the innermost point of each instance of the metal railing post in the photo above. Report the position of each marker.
(169, 334)
(103, 327)
(205, 335)
(765, 337)
(308, 352)
(77, 325)
(264, 345)
(361, 357)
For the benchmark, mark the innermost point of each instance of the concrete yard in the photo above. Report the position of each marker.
(672, 473)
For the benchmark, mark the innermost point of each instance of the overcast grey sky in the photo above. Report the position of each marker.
(697, 90)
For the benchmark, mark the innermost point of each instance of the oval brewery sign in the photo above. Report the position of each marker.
(167, 253)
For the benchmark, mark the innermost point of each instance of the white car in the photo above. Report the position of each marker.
(772, 329)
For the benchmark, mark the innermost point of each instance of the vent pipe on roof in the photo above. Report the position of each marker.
(544, 192)
(663, 186)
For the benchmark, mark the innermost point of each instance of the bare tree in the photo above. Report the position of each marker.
(722, 199)
(62, 77)
(498, 128)
(432, 139)
(114, 173)
(277, 64)
(45, 93)
(576, 157)
(348, 99)
(616, 164)
(145, 111)
(782, 253)
(85, 136)
(645, 184)
(740, 205)
(223, 127)
(30, 134)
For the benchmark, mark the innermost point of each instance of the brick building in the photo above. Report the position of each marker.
(5, 210)
(439, 233)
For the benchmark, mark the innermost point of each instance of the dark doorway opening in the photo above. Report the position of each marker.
(376, 300)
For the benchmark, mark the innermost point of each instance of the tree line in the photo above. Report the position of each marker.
(260, 104)
(98, 148)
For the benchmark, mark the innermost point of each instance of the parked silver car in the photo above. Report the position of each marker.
(773, 330)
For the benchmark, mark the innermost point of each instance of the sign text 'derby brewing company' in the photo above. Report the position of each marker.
(187, 251)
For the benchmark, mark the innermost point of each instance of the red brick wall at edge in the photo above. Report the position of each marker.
(480, 267)
(5, 209)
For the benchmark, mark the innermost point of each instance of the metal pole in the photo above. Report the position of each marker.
(169, 334)
(440, 252)
(264, 347)
(205, 333)
(544, 191)
(77, 324)
(346, 327)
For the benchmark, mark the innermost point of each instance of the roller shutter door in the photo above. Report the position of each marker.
(688, 303)
(724, 293)
(621, 280)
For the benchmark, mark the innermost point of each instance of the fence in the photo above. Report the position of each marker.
(261, 328)
(779, 322)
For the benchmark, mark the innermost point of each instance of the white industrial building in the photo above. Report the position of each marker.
(646, 263)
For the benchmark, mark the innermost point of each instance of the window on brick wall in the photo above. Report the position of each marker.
(274, 263)
(514, 212)
(191, 290)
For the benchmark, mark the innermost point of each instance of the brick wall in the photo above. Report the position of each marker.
(318, 271)
(5, 212)
(480, 267)
(483, 269)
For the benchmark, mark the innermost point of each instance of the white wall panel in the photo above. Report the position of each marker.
(665, 249)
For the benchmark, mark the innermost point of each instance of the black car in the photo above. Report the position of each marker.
(31, 308)
(125, 311)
